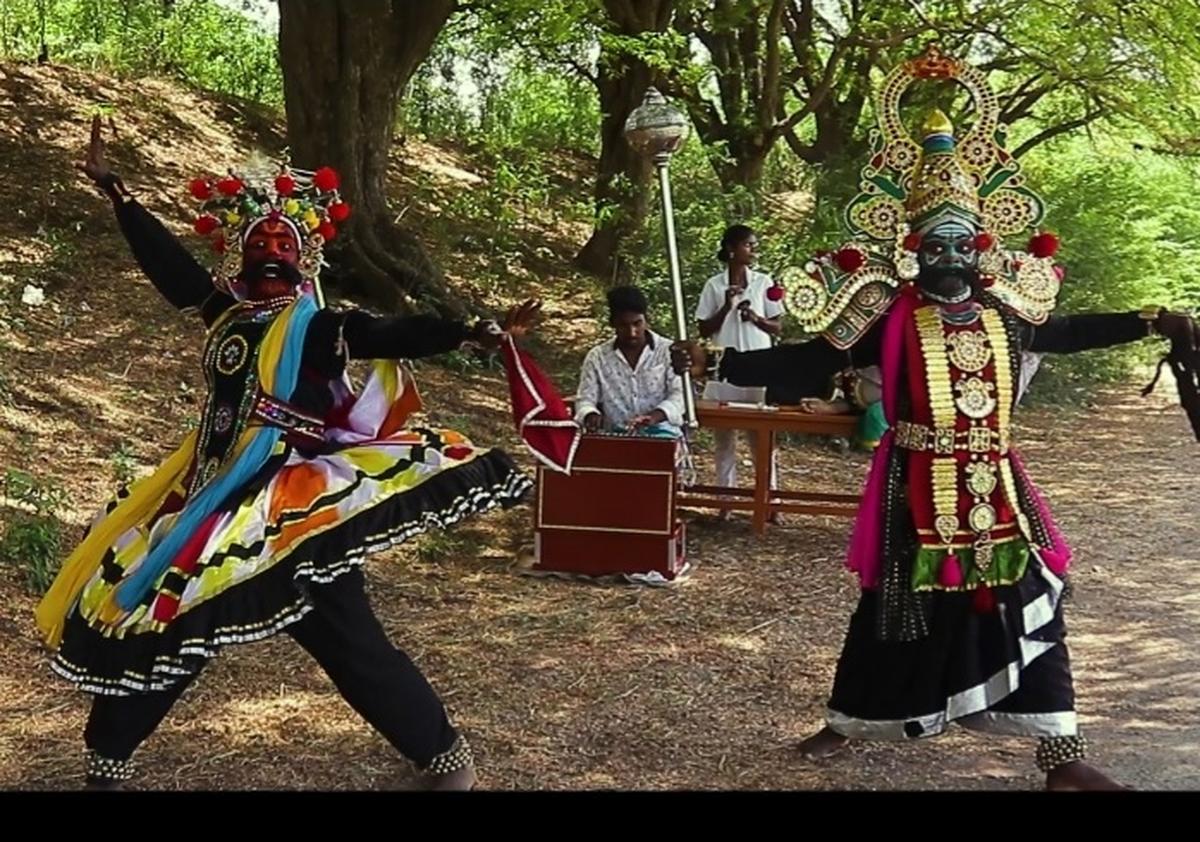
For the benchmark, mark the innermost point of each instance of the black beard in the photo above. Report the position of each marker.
(271, 270)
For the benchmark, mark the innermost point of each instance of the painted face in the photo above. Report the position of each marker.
(271, 241)
(270, 259)
(948, 258)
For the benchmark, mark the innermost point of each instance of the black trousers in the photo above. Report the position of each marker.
(345, 637)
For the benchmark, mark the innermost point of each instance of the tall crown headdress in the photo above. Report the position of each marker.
(906, 188)
(309, 202)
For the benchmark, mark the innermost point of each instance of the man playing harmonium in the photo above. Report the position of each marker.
(614, 513)
(626, 384)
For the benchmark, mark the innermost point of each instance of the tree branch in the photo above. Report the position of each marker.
(1054, 131)
(799, 28)
(805, 152)
(772, 97)
(1024, 103)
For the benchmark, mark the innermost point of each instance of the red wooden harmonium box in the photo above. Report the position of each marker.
(615, 513)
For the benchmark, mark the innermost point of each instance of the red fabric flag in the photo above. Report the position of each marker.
(540, 414)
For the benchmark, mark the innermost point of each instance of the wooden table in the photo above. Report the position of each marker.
(768, 421)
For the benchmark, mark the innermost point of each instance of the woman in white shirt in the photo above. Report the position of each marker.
(736, 312)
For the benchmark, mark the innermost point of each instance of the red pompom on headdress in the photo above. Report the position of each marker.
(984, 241)
(230, 186)
(326, 179)
(849, 259)
(327, 230)
(200, 188)
(205, 224)
(339, 211)
(912, 242)
(1043, 244)
(285, 185)
(775, 293)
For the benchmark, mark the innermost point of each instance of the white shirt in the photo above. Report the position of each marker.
(735, 333)
(609, 386)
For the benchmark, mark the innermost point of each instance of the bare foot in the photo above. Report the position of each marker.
(1078, 776)
(822, 744)
(460, 780)
(98, 785)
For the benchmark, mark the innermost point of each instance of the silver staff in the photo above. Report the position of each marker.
(657, 130)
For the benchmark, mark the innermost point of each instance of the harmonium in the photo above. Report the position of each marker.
(615, 513)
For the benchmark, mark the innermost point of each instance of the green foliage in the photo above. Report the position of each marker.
(202, 43)
(32, 540)
(440, 546)
(478, 88)
(1130, 230)
(124, 463)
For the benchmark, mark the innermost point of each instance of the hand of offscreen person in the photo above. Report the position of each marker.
(95, 166)
(689, 356)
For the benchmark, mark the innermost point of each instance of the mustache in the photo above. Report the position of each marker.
(259, 272)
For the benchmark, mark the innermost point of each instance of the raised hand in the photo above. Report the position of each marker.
(95, 166)
(517, 322)
(520, 319)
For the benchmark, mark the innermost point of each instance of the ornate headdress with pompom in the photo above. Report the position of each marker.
(906, 189)
(231, 205)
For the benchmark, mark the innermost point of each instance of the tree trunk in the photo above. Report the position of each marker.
(743, 40)
(344, 66)
(743, 169)
(622, 175)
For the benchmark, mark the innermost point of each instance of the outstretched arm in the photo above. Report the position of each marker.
(1071, 334)
(805, 369)
(1087, 331)
(163, 259)
(334, 337)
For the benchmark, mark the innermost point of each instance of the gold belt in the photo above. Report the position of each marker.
(946, 440)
